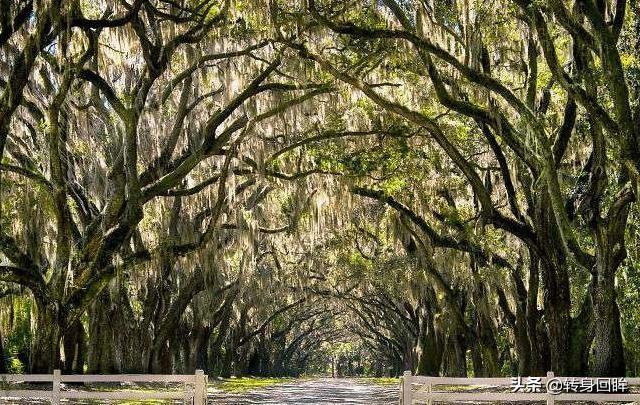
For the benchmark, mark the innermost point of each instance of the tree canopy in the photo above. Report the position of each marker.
(287, 187)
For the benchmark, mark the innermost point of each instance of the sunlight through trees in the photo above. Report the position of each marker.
(280, 188)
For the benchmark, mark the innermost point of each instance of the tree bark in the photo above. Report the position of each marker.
(455, 360)
(430, 351)
(100, 357)
(3, 359)
(609, 234)
(538, 355)
(608, 350)
(75, 345)
(198, 356)
(556, 288)
(45, 352)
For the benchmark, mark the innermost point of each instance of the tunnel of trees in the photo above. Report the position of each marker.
(346, 187)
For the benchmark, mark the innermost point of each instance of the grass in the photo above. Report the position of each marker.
(135, 388)
(380, 380)
(243, 384)
(230, 385)
(234, 385)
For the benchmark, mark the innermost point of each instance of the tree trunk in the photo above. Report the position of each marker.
(75, 343)
(108, 333)
(199, 354)
(3, 359)
(455, 360)
(408, 357)
(556, 287)
(581, 337)
(558, 324)
(197, 350)
(430, 352)
(227, 362)
(523, 343)
(476, 362)
(161, 361)
(45, 352)
(539, 361)
(489, 349)
(608, 351)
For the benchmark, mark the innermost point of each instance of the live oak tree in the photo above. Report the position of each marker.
(96, 131)
(234, 186)
(541, 88)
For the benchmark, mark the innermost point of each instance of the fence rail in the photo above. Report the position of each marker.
(423, 390)
(195, 387)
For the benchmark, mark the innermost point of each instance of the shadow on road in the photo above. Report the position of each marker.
(307, 392)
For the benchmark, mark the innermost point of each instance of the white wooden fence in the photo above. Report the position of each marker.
(424, 390)
(194, 392)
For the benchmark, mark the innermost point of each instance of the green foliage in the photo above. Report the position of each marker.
(18, 342)
(15, 366)
(450, 148)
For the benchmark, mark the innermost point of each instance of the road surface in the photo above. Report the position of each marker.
(296, 392)
(316, 392)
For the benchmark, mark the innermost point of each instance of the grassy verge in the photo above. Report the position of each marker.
(243, 384)
(380, 380)
(149, 387)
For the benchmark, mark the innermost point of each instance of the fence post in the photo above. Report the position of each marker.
(550, 397)
(55, 394)
(406, 388)
(200, 394)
